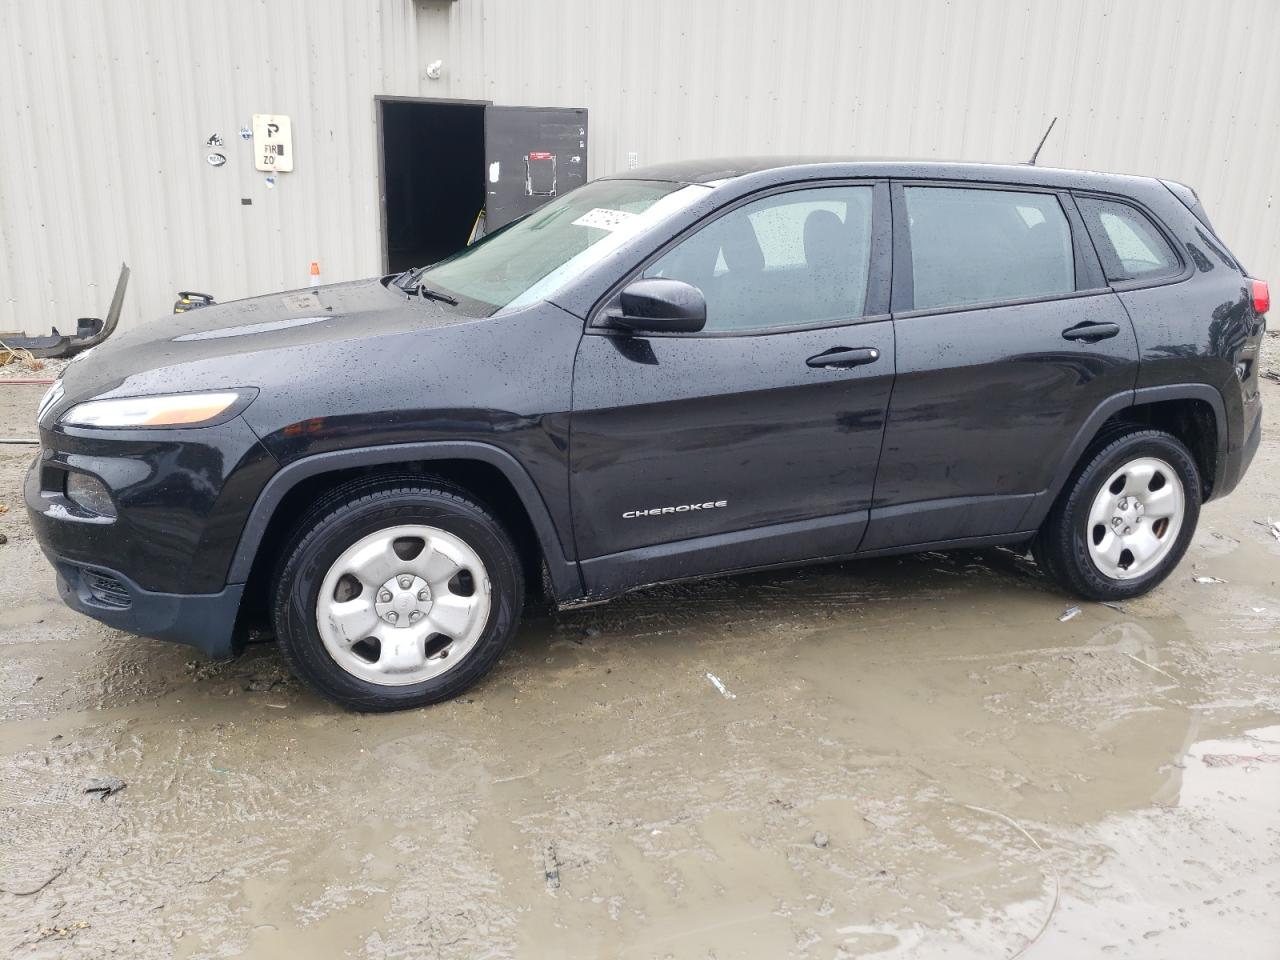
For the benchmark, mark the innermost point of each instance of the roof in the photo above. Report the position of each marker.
(720, 169)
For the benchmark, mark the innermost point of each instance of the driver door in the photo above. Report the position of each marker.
(754, 441)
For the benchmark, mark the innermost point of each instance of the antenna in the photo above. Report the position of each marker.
(1032, 161)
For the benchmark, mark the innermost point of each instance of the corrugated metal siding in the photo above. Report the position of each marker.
(105, 105)
(104, 110)
(1182, 90)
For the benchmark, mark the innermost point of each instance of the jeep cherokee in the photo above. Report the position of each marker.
(687, 370)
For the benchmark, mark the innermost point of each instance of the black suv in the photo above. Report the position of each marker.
(692, 369)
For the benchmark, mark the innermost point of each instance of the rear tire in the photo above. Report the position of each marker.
(1124, 519)
(397, 594)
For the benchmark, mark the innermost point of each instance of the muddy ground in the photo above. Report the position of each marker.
(911, 757)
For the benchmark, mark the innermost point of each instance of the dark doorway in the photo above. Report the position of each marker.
(433, 162)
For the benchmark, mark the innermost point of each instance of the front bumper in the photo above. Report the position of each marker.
(204, 621)
(155, 563)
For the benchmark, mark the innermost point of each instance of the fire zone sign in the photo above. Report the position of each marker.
(272, 143)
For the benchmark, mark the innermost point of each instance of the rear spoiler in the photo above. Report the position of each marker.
(1190, 201)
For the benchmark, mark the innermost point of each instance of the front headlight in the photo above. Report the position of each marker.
(170, 410)
(52, 396)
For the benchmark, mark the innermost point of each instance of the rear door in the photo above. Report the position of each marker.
(1008, 340)
(531, 155)
(750, 442)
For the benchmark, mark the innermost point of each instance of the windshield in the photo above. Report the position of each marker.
(529, 259)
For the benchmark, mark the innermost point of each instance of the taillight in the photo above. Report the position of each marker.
(1261, 296)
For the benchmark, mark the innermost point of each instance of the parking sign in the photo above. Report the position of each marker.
(272, 142)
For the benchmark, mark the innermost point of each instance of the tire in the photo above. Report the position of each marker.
(1138, 492)
(396, 594)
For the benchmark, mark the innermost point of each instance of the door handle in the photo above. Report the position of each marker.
(1091, 332)
(844, 357)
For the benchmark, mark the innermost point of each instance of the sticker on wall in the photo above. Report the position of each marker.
(216, 159)
(540, 174)
(246, 133)
(494, 168)
(269, 180)
(214, 140)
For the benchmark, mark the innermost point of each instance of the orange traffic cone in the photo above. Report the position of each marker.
(315, 273)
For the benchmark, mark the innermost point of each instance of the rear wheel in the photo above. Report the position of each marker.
(1125, 519)
(398, 595)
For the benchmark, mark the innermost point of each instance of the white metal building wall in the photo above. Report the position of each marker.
(105, 106)
(1182, 89)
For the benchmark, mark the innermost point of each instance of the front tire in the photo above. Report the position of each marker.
(1125, 519)
(396, 595)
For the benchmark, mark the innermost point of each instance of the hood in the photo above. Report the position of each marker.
(241, 343)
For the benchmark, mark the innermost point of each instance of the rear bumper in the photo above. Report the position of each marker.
(204, 621)
(1241, 454)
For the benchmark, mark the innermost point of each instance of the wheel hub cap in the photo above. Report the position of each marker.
(1135, 518)
(403, 604)
(403, 600)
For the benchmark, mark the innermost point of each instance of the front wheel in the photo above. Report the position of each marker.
(1125, 519)
(397, 595)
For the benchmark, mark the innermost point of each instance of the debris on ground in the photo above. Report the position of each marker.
(1208, 580)
(551, 867)
(1271, 526)
(61, 933)
(719, 685)
(4, 508)
(1236, 759)
(261, 684)
(105, 786)
(1151, 666)
(1068, 613)
(3, 539)
(1118, 607)
(820, 839)
(1271, 375)
(18, 356)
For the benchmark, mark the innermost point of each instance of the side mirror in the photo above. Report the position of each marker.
(656, 305)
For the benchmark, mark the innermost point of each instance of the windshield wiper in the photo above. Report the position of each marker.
(406, 282)
(426, 293)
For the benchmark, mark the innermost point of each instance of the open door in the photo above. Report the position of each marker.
(531, 155)
(432, 156)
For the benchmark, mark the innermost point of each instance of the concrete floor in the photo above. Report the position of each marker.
(913, 757)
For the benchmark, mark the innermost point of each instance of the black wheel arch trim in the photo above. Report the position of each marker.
(1210, 395)
(1039, 508)
(565, 576)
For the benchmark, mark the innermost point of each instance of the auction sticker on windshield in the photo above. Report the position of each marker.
(603, 218)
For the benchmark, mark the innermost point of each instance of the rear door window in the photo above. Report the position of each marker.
(1128, 243)
(970, 245)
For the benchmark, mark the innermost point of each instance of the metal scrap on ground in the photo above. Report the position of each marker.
(105, 786)
(719, 685)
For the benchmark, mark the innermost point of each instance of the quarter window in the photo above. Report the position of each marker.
(791, 259)
(978, 246)
(1128, 243)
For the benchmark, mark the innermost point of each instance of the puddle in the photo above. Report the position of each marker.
(918, 759)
